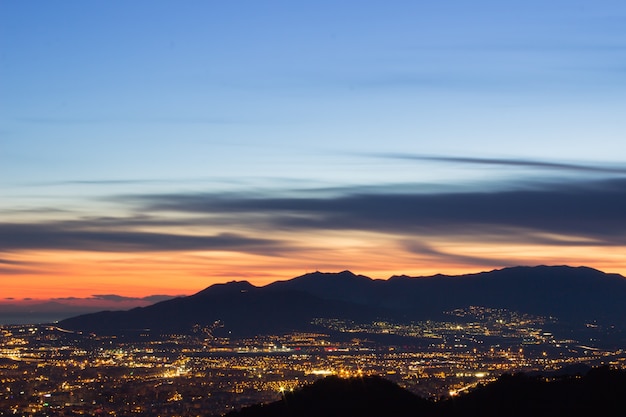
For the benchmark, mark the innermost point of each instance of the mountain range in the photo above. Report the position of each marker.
(573, 295)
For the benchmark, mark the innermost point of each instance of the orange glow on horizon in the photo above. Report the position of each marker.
(53, 274)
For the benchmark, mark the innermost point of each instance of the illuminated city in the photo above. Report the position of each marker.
(49, 371)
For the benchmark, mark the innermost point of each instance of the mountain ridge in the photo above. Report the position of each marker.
(575, 294)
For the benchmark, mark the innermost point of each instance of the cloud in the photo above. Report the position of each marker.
(159, 297)
(586, 209)
(120, 298)
(96, 235)
(20, 271)
(133, 120)
(421, 248)
(10, 262)
(113, 297)
(524, 163)
(559, 213)
(20, 267)
(113, 300)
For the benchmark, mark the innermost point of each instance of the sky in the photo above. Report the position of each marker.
(158, 147)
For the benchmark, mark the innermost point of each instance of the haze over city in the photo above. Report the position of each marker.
(155, 148)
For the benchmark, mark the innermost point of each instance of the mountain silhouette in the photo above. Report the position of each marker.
(597, 393)
(562, 291)
(573, 295)
(236, 309)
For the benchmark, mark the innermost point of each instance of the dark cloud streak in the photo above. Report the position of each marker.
(10, 262)
(69, 236)
(19, 271)
(524, 163)
(594, 210)
(591, 213)
(120, 298)
(421, 248)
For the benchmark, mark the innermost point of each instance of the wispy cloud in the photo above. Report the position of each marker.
(566, 213)
(19, 267)
(163, 120)
(421, 248)
(11, 262)
(513, 162)
(20, 271)
(591, 209)
(116, 299)
(97, 236)
(120, 298)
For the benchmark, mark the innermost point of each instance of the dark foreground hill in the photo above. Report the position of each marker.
(598, 393)
(333, 396)
(573, 295)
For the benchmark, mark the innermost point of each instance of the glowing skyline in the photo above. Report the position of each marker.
(159, 147)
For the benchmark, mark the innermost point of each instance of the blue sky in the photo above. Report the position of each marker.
(104, 104)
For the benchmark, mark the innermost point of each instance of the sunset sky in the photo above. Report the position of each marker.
(158, 147)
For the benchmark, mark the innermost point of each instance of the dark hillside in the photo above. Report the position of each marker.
(598, 393)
